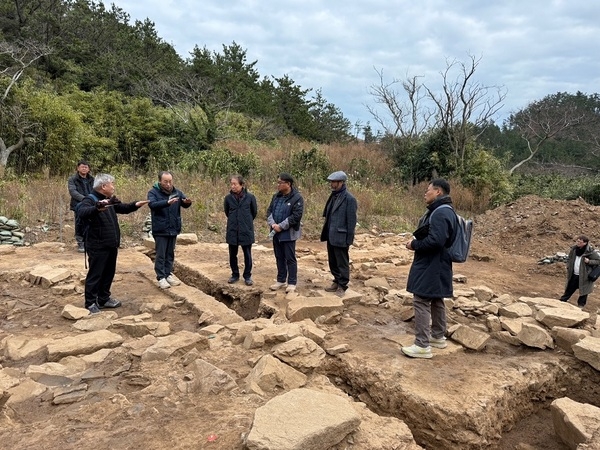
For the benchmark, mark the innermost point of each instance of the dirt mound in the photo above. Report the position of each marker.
(535, 226)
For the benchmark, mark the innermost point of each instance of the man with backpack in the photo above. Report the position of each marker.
(430, 275)
(99, 212)
(80, 184)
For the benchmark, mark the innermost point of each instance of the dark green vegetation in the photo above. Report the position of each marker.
(79, 80)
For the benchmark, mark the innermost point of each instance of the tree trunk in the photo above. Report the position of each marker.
(5, 153)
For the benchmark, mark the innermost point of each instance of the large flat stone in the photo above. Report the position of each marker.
(82, 344)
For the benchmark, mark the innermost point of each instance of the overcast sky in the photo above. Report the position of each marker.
(530, 47)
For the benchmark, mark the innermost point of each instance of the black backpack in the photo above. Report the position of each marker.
(83, 225)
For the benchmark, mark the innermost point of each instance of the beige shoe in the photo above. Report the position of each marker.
(278, 285)
(163, 283)
(332, 288)
(173, 281)
(438, 343)
(290, 288)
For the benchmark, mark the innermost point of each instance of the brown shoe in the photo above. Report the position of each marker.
(332, 288)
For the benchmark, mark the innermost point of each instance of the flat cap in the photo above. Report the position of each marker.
(337, 176)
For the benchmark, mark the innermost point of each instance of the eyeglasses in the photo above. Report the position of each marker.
(282, 182)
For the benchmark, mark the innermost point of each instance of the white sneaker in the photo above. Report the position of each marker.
(163, 283)
(290, 288)
(173, 281)
(277, 286)
(438, 343)
(414, 351)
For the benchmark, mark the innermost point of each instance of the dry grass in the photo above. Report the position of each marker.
(383, 206)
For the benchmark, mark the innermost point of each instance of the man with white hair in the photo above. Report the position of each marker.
(102, 241)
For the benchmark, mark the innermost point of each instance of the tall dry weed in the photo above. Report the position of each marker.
(383, 205)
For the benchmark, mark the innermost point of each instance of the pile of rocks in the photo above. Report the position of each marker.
(10, 232)
(557, 257)
(147, 227)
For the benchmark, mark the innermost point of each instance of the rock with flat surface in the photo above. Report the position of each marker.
(574, 423)
(561, 317)
(306, 420)
(301, 353)
(176, 343)
(46, 276)
(269, 374)
(81, 344)
(588, 350)
(470, 338)
(515, 310)
(535, 336)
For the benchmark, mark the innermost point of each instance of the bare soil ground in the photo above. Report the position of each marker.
(133, 406)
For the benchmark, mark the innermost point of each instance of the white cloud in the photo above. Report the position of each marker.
(533, 48)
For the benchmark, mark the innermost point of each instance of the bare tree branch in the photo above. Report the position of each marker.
(465, 104)
(408, 118)
(542, 121)
(20, 55)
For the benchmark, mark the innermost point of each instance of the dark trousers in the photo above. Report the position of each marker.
(233, 261)
(78, 232)
(165, 255)
(285, 257)
(101, 272)
(572, 286)
(339, 265)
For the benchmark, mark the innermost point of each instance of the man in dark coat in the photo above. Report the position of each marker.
(338, 231)
(284, 217)
(165, 202)
(430, 275)
(240, 208)
(103, 240)
(80, 184)
(582, 259)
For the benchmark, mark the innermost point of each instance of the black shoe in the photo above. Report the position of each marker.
(248, 281)
(93, 309)
(110, 303)
(233, 280)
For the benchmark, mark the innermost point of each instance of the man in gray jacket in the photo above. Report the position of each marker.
(338, 231)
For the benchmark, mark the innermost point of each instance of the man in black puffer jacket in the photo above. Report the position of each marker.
(430, 276)
(102, 241)
(80, 184)
(165, 202)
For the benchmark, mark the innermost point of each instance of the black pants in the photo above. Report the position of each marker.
(165, 255)
(78, 232)
(101, 272)
(285, 258)
(233, 261)
(339, 265)
(572, 286)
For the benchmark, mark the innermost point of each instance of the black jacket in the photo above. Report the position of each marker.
(79, 187)
(340, 223)
(166, 219)
(103, 231)
(430, 274)
(240, 218)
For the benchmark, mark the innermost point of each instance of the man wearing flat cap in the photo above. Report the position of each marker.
(338, 231)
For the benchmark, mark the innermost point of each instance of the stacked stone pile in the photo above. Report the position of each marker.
(557, 257)
(147, 227)
(10, 232)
